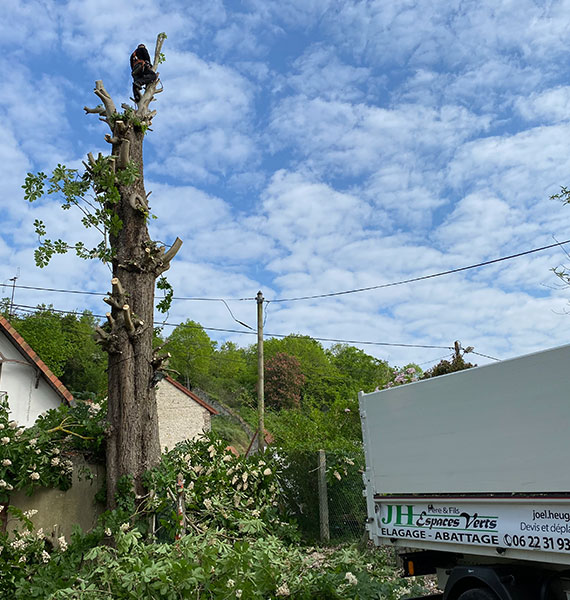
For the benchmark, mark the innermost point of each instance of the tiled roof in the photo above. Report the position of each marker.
(29, 354)
(192, 395)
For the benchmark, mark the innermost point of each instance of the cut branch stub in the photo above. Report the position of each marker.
(98, 110)
(172, 252)
(128, 318)
(102, 93)
(118, 291)
(124, 154)
(137, 202)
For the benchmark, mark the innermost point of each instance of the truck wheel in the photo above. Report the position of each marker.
(478, 594)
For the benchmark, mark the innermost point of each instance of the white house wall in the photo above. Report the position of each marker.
(18, 380)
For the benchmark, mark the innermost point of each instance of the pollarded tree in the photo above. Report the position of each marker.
(111, 196)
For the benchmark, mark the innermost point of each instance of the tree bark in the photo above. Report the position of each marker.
(133, 440)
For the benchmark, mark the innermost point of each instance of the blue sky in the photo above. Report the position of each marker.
(303, 147)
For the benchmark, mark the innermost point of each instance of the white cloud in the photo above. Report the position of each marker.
(203, 128)
(552, 105)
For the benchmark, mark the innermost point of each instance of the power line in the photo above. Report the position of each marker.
(31, 309)
(327, 295)
(485, 355)
(423, 277)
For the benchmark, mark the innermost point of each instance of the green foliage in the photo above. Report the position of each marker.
(29, 458)
(163, 284)
(231, 432)
(72, 189)
(67, 346)
(192, 350)
(444, 367)
(360, 371)
(80, 428)
(212, 564)
(221, 489)
(22, 550)
(43, 331)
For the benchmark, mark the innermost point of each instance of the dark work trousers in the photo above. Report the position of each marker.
(142, 80)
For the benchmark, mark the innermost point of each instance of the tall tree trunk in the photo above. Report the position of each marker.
(133, 441)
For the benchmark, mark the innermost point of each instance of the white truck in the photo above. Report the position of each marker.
(468, 475)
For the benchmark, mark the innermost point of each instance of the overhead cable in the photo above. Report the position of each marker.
(423, 277)
(327, 295)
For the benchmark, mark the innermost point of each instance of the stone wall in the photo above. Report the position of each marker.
(179, 417)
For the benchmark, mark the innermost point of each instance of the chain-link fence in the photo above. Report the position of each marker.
(324, 494)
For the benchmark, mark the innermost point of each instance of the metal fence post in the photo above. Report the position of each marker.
(323, 499)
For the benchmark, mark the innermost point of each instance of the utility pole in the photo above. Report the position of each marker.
(457, 345)
(260, 383)
(13, 280)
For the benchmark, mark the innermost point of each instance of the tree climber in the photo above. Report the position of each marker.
(141, 70)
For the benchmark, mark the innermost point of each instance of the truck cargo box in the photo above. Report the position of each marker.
(499, 428)
(474, 462)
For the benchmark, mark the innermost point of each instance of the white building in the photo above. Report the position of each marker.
(30, 385)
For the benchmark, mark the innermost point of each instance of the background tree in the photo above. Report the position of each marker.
(284, 381)
(111, 195)
(360, 371)
(43, 331)
(66, 344)
(457, 363)
(192, 352)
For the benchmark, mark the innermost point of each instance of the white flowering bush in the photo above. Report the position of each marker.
(23, 549)
(29, 458)
(221, 489)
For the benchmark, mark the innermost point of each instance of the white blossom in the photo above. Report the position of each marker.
(351, 578)
(208, 503)
(34, 476)
(13, 424)
(283, 590)
(239, 593)
(55, 461)
(30, 513)
(108, 532)
(267, 471)
(337, 475)
(62, 543)
(231, 583)
(45, 556)
(94, 408)
(1, 425)
(3, 484)
(124, 526)
(5, 440)
(6, 462)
